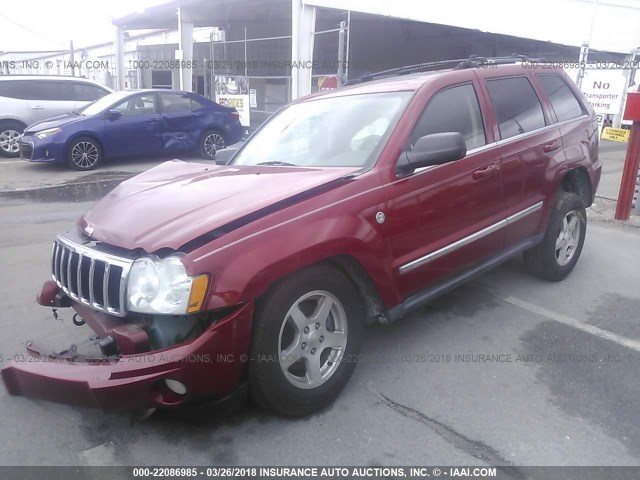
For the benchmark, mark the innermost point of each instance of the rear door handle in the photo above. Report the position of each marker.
(551, 146)
(153, 120)
(37, 107)
(486, 171)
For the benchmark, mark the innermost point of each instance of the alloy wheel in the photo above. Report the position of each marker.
(568, 238)
(84, 154)
(9, 141)
(212, 143)
(312, 339)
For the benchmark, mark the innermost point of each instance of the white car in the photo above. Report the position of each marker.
(27, 99)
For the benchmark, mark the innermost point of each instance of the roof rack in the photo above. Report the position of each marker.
(472, 62)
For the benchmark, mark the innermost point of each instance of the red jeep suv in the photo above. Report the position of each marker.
(348, 207)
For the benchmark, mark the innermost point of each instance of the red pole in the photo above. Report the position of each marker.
(629, 174)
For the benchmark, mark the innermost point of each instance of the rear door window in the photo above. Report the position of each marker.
(455, 109)
(517, 106)
(53, 90)
(175, 102)
(14, 89)
(563, 101)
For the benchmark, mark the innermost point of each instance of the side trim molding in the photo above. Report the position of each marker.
(452, 247)
(450, 283)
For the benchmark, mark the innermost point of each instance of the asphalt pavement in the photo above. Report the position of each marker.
(507, 370)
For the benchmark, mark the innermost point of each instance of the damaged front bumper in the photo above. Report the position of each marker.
(209, 366)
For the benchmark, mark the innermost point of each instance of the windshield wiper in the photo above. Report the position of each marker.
(278, 164)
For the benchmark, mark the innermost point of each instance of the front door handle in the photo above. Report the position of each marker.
(486, 171)
(37, 107)
(551, 146)
(151, 120)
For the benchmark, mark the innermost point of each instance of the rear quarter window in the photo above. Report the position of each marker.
(14, 89)
(88, 93)
(563, 101)
(516, 104)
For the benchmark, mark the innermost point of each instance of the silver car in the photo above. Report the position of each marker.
(27, 99)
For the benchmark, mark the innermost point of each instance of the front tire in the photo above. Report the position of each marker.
(555, 257)
(84, 154)
(211, 142)
(307, 329)
(10, 132)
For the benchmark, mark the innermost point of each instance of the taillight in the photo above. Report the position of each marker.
(235, 114)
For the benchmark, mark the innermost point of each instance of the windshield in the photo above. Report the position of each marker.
(327, 132)
(102, 103)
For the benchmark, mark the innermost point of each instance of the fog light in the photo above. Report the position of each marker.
(176, 386)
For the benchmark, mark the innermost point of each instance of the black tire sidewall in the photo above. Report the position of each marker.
(203, 152)
(84, 139)
(10, 125)
(265, 374)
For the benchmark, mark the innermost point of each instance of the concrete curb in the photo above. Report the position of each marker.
(75, 191)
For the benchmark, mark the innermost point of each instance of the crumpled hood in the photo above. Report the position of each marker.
(176, 202)
(52, 122)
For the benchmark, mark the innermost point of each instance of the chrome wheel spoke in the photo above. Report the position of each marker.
(559, 241)
(300, 320)
(291, 355)
(335, 339)
(323, 310)
(313, 372)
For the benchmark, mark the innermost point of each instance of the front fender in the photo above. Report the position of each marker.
(244, 269)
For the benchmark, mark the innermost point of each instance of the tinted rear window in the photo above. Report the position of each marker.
(563, 101)
(14, 89)
(516, 104)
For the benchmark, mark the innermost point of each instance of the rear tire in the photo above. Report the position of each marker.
(10, 132)
(210, 143)
(307, 329)
(84, 154)
(555, 257)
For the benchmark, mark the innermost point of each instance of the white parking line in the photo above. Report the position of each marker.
(572, 322)
(101, 456)
(4, 162)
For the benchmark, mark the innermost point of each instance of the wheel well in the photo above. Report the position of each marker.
(349, 266)
(10, 120)
(577, 181)
(376, 311)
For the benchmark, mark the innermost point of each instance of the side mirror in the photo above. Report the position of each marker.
(224, 155)
(433, 149)
(113, 114)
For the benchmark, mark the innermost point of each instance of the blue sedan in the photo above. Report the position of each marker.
(130, 123)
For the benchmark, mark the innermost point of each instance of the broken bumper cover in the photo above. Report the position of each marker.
(209, 366)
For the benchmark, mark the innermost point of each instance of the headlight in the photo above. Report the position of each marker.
(42, 134)
(163, 286)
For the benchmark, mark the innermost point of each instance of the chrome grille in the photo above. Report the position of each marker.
(89, 276)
